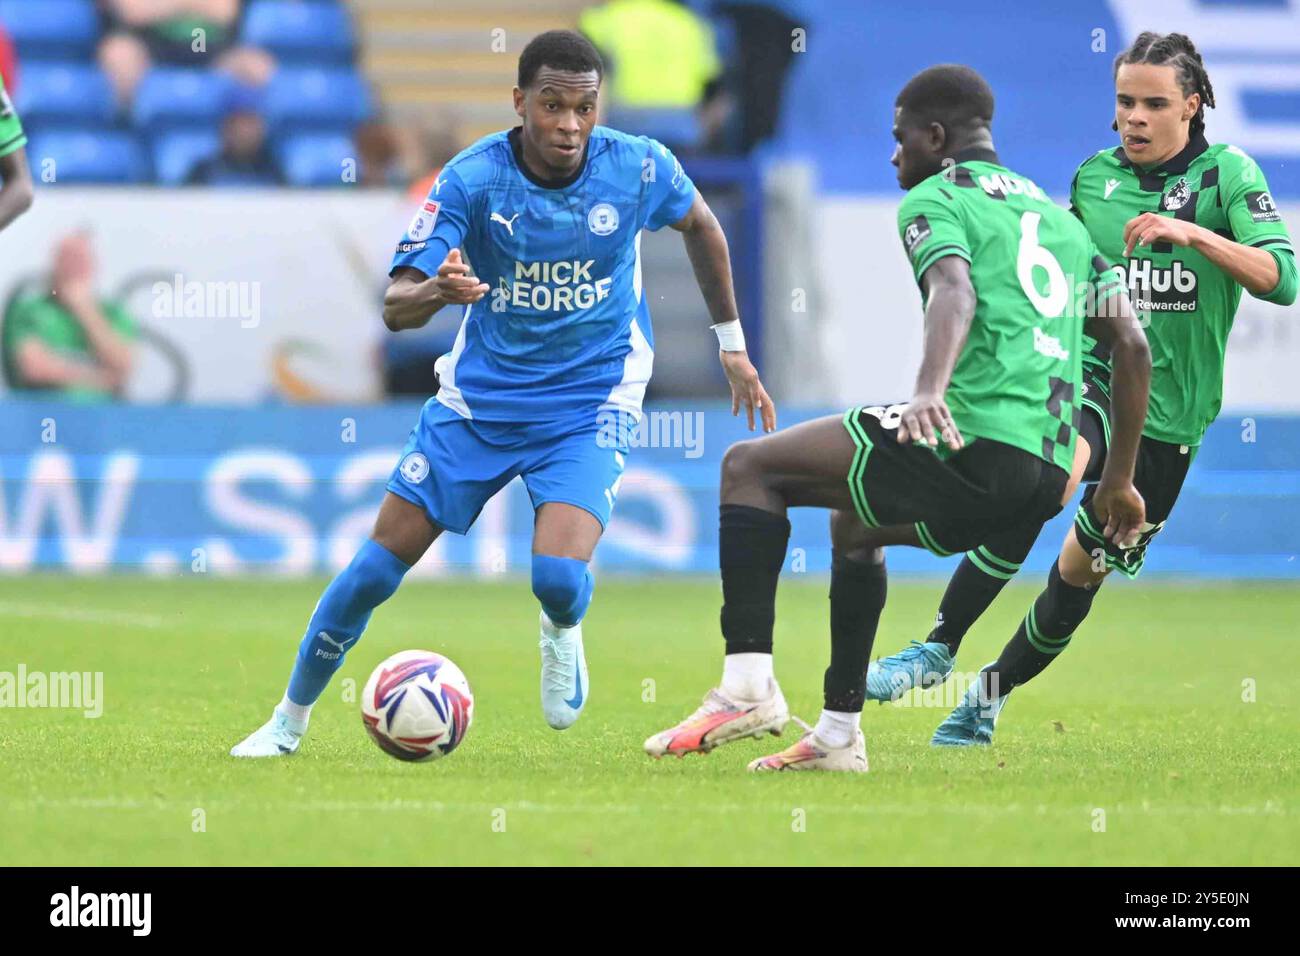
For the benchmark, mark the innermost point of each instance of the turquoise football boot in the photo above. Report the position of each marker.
(919, 665)
(971, 722)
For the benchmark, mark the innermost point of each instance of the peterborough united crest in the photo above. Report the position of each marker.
(1177, 197)
(414, 468)
(603, 219)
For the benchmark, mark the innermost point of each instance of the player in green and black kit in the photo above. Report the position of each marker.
(1008, 279)
(15, 177)
(1194, 224)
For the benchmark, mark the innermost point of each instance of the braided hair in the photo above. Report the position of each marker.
(1178, 51)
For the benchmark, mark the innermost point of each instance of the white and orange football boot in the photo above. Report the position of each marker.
(809, 753)
(720, 720)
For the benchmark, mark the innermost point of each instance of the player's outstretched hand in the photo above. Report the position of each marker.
(747, 390)
(1122, 508)
(923, 417)
(1148, 228)
(456, 285)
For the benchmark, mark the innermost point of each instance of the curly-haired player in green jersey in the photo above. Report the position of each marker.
(1193, 224)
(15, 177)
(1008, 280)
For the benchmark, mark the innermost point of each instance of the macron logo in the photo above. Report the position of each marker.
(103, 909)
(1110, 187)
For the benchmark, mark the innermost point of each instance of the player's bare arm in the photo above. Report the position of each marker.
(1255, 269)
(412, 297)
(706, 245)
(1117, 501)
(16, 193)
(949, 308)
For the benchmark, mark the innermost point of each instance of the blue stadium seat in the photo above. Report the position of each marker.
(176, 152)
(88, 156)
(315, 159)
(301, 33)
(168, 98)
(303, 99)
(51, 29)
(62, 94)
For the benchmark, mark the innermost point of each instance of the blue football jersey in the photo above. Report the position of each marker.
(564, 331)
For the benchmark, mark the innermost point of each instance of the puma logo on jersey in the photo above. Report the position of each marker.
(508, 223)
(1110, 187)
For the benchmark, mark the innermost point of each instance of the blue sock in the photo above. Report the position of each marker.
(564, 586)
(340, 616)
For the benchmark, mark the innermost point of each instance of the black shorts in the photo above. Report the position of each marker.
(1159, 475)
(954, 502)
(1094, 423)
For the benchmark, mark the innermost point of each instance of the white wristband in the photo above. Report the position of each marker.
(731, 337)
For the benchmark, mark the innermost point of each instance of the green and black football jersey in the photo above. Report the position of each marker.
(1034, 268)
(1185, 301)
(11, 130)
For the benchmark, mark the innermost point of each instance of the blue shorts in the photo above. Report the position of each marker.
(451, 465)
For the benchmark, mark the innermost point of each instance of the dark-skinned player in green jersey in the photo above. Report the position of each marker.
(15, 178)
(1193, 224)
(1008, 280)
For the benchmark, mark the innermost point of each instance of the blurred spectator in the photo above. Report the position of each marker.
(425, 150)
(765, 48)
(378, 155)
(15, 176)
(659, 53)
(407, 360)
(8, 62)
(200, 33)
(69, 340)
(245, 158)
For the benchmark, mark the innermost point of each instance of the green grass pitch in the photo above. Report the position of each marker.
(1167, 735)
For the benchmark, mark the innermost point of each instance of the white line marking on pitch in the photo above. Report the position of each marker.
(1268, 808)
(87, 615)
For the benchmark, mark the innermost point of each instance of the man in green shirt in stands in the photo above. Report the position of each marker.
(68, 340)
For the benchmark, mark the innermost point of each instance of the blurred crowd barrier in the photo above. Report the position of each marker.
(192, 491)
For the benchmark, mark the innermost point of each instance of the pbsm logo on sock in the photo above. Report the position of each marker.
(340, 647)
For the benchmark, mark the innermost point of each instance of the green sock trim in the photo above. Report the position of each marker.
(1042, 643)
(987, 568)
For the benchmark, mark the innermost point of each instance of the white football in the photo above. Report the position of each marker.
(417, 705)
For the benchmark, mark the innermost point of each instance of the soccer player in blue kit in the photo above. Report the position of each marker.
(555, 345)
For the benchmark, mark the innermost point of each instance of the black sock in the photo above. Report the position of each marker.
(858, 591)
(1042, 635)
(751, 551)
(970, 592)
